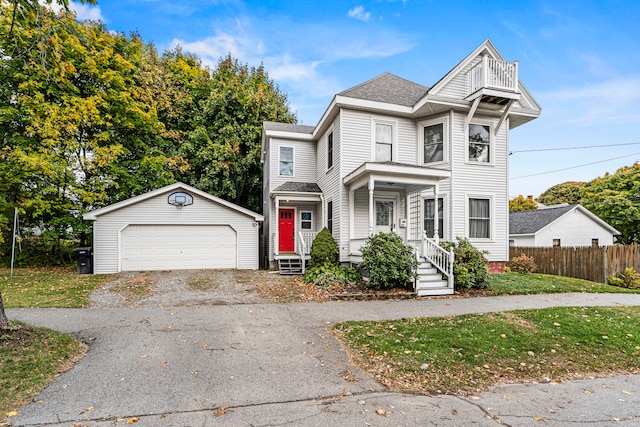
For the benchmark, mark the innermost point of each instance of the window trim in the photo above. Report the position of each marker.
(293, 160)
(444, 214)
(445, 140)
(330, 216)
(330, 150)
(310, 220)
(394, 138)
(492, 217)
(492, 144)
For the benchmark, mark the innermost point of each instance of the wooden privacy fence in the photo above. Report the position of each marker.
(590, 263)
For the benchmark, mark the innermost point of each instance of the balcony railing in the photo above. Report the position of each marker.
(494, 74)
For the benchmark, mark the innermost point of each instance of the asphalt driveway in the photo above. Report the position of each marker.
(276, 364)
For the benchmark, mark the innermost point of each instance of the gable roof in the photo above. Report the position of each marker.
(388, 88)
(93, 215)
(531, 222)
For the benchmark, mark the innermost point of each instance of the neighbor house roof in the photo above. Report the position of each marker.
(93, 215)
(388, 88)
(287, 127)
(530, 222)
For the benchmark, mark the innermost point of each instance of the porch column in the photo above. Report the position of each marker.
(436, 231)
(372, 214)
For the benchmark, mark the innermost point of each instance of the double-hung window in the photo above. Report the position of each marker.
(305, 220)
(384, 142)
(429, 217)
(479, 218)
(330, 151)
(286, 161)
(479, 143)
(433, 143)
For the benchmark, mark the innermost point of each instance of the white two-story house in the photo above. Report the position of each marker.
(428, 163)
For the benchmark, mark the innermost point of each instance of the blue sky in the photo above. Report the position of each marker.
(579, 59)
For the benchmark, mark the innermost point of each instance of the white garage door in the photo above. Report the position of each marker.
(177, 247)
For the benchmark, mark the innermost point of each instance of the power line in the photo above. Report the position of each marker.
(575, 167)
(573, 148)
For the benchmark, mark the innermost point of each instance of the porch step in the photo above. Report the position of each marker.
(290, 265)
(430, 281)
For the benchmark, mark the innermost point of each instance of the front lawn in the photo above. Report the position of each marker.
(47, 287)
(30, 357)
(463, 354)
(526, 284)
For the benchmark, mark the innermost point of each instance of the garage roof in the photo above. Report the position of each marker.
(93, 215)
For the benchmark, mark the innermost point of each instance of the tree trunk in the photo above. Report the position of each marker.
(4, 322)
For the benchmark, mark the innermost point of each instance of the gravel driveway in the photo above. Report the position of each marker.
(181, 288)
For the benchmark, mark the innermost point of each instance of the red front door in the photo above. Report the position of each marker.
(286, 230)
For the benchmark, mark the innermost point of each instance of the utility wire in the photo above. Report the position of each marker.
(572, 148)
(574, 167)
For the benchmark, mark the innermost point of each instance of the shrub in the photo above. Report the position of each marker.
(324, 250)
(630, 278)
(523, 264)
(330, 275)
(469, 265)
(390, 262)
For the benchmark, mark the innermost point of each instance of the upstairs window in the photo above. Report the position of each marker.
(479, 143)
(479, 218)
(330, 151)
(433, 140)
(384, 142)
(286, 161)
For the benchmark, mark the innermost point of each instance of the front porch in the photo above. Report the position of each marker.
(388, 197)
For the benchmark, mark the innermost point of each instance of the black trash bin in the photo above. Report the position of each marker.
(85, 260)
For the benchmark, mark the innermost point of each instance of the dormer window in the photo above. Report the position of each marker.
(384, 142)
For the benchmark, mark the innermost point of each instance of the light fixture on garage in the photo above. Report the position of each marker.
(180, 199)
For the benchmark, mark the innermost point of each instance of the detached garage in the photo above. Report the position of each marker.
(176, 227)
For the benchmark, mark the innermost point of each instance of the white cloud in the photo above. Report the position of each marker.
(85, 12)
(359, 13)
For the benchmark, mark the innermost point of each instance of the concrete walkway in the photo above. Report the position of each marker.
(276, 364)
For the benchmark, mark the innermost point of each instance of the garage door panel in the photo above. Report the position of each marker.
(175, 247)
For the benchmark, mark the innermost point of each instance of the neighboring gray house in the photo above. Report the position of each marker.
(429, 163)
(176, 227)
(559, 225)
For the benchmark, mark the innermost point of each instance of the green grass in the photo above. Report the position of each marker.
(526, 284)
(30, 357)
(47, 287)
(462, 354)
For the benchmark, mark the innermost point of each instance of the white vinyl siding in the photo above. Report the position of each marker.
(574, 229)
(304, 162)
(108, 227)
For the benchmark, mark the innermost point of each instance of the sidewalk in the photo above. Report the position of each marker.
(276, 364)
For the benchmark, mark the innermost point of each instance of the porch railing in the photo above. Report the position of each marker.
(305, 239)
(439, 257)
(491, 73)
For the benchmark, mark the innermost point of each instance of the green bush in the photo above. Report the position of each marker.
(389, 261)
(328, 275)
(629, 279)
(324, 250)
(469, 265)
(523, 264)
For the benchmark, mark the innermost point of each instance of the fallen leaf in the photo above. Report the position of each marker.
(503, 336)
(12, 413)
(381, 412)
(538, 418)
(144, 356)
(133, 420)
(625, 392)
(221, 411)
(163, 362)
(205, 345)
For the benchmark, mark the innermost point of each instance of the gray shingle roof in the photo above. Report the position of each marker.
(287, 127)
(299, 187)
(388, 88)
(530, 222)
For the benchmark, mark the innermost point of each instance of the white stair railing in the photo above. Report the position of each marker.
(439, 257)
(303, 251)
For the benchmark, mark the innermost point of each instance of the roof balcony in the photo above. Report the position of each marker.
(494, 81)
